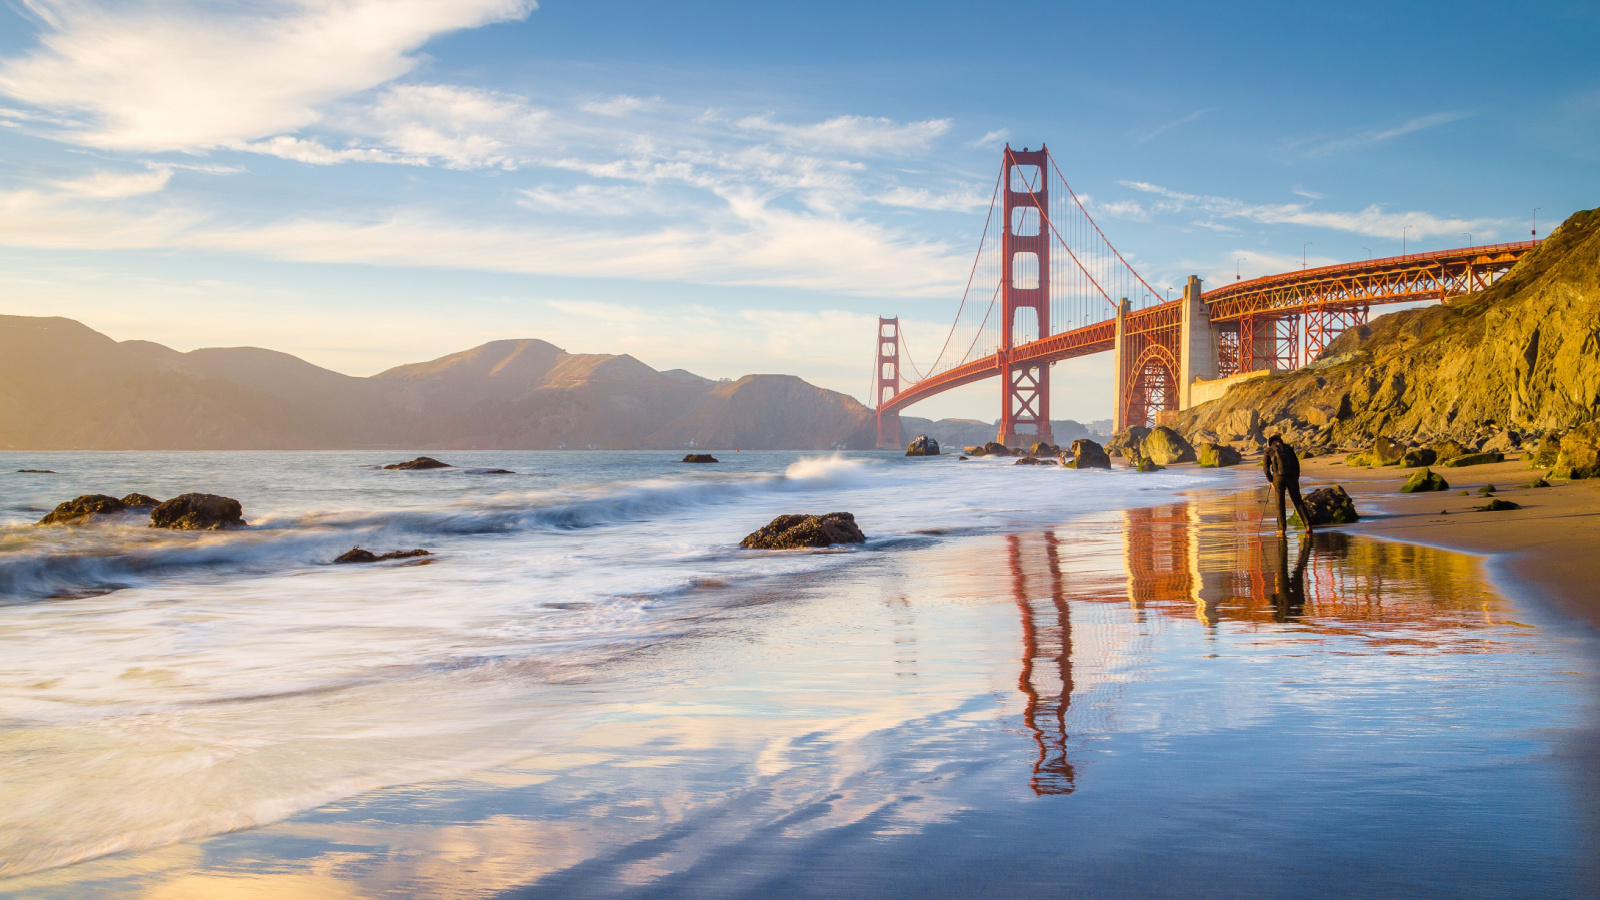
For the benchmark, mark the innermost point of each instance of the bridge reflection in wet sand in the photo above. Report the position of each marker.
(1217, 561)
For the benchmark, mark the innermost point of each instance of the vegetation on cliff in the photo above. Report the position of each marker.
(1490, 370)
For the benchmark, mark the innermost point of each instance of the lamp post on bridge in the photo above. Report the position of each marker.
(1303, 254)
(1403, 241)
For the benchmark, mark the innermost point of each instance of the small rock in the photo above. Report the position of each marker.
(1216, 456)
(1537, 483)
(1496, 505)
(1386, 452)
(700, 458)
(358, 555)
(961, 459)
(421, 462)
(35, 472)
(1486, 490)
(1328, 506)
(1424, 480)
(140, 501)
(795, 532)
(922, 445)
(1028, 461)
(198, 512)
(83, 507)
(494, 472)
(1421, 456)
(1473, 459)
(1146, 464)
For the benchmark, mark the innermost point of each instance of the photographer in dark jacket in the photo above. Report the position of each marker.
(1283, 471)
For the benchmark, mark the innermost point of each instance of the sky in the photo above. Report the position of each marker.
(736, 188)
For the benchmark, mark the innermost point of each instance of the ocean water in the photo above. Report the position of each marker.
(1028, 681)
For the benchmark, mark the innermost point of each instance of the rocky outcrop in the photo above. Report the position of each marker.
(1518, 358)
(1424, 480)
(1166, 447)
(1087, 454)
(1127, 440)
(1215, 456)
(922, 445)
(198, 512)
(1580, 452)
(358, 555)
(140, 501)
(1041, 448)
(795, 532)
(84, 507)
(421, 462)
(700, 458)
(1328, 506)
(1418, 456)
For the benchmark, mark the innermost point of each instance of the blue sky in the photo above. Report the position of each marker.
(737, 188)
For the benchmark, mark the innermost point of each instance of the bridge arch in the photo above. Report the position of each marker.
(1152, 385)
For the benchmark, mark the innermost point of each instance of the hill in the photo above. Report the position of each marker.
(1520, 359)
(64, 386)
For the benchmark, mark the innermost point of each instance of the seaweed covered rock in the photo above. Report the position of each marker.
(1497, 505)
(1420, 456)
(794, 532)
(1580, 452)
(1165, 447)
(1473, 459)
(1424, 480)
(1216, 456)
(1386, 452)
(922, 445)
(1328, 506)
(358, 555)
(1087, 454)
(140, 501)
(83, 507)
(700, 458)
(1146, 464)
(421, 462)
(198, 512)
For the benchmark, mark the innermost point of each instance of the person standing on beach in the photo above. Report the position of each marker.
(1283, 471)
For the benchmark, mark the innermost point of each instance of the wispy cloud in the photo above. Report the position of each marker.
(862, 134)
(1175, 123)
(1374, 136)
(992, 139)
(102, 185)
(1309, 195)
(1373, 221)
(620, 105)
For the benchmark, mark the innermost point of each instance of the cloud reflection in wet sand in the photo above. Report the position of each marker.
(1058, 694)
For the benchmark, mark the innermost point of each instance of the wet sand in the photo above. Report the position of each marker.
(1163, 702)
(1551, 546)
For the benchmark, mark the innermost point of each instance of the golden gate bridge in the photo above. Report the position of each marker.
(1047, 285)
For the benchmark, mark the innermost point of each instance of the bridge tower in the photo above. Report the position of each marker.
(1024, 287)
(886, 376)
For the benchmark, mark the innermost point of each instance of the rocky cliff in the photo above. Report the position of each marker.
(1520, 359)
(64, 386)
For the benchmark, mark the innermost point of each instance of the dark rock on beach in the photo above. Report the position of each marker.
(1146, 464)
(700, 458)
(796, 532)
(198, 512)
(421, 462)
(1424, 480)
(358, 555)
(1087, 454)
(1497, 505)
(140, 501)
(83, 507)
(1126, 440)
(1417, 457)
(1386, 452)
(922, 445)
(1328, 506)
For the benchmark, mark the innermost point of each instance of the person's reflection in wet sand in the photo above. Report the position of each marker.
(1289, 598)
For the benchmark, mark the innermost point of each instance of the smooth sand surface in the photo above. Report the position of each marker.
(1552, 543)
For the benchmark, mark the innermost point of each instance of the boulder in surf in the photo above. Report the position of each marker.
(140, 501)
(796, 532)
(84, 507)
(421, 462)
(198, 512)
(358, 555)
(700, 458)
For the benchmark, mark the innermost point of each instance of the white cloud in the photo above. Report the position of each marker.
(102, 185)
(861, 134)
(1175, 123)
(1309, 195)
(959, 200)
(1372, 221)
(150, 75)
(462, 128)
(992, 139)
(310, 150)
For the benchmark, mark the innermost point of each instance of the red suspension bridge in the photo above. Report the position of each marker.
(1047, 285)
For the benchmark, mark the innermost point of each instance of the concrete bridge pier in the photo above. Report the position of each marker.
(1119, 369)
(1197, 342)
